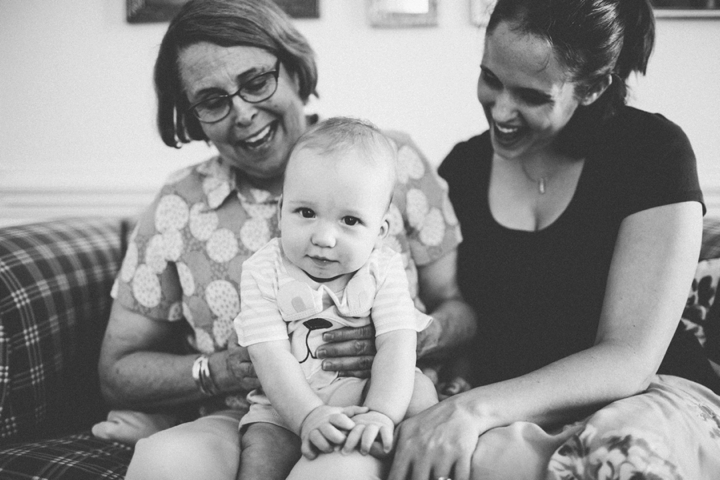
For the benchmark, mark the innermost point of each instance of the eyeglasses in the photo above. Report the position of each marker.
(258, 89)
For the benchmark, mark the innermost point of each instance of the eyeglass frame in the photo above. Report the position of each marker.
(275, 72)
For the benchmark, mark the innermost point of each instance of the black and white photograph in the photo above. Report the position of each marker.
(686, 8)
(359, 240)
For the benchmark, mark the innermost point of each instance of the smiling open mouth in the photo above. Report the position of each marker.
(260, 138)
(505, 134)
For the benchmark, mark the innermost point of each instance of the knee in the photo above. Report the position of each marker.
(353, 466)
(180, 453)
(270, 440)
(424, 395)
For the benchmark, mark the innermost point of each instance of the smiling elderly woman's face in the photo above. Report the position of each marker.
(254, 137)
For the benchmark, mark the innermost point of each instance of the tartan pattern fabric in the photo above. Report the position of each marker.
(55, 279)
(73, 457)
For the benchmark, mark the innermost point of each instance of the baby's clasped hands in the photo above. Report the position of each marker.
(324, 428)
(368, 427)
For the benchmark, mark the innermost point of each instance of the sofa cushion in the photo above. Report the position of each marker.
(703, 293)
(702, 310)
(73, 457)
(55, 279)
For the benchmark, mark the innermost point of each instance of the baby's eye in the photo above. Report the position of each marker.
(351, 221)
(306, 212)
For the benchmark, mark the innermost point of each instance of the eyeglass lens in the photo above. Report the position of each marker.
(257, 89)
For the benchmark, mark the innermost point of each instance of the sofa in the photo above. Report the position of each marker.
(55, 281)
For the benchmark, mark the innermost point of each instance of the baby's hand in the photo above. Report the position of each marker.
(325, 427)
(368, 426)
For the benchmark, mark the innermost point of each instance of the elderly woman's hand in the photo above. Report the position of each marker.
(438, 442)
(349, 351)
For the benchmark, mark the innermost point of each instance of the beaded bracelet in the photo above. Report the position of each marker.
(202, 377)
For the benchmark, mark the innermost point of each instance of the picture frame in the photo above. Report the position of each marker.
(149, 11)
(403, 13)
(686, 8)
(480, 11)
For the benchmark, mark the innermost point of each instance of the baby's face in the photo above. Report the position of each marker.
(334, 211)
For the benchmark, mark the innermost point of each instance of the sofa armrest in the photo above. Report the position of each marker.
(55, 279)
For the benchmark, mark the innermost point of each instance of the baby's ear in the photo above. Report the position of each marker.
(384, 230)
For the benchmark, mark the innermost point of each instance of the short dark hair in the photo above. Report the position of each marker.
(252, 23)
(591, 39)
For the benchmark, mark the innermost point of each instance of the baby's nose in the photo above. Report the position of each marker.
(324, 236)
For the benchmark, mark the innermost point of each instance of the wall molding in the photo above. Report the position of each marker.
(26, 205)
(712, 201)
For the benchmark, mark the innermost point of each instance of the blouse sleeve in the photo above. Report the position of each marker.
(421, 202)
(148, 281)
(661, 168)
(260, 318)
(393, 309)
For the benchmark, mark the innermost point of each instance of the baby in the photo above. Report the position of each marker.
(329, 269)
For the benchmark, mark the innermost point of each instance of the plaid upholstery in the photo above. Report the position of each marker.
(54, 304)
(74, 457)
(55, 279)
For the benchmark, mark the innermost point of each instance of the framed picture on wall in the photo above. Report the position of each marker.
(686, 8)
(403, 13)
(480, 12)
(145, 11)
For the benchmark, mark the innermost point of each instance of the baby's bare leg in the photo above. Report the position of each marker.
(424, 395)
(268, 452)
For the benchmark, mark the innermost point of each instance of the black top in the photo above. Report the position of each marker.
(539, 294)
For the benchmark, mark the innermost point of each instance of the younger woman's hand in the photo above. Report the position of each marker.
(369, 427)
(438, 442)
(349, 351)
(325, 427)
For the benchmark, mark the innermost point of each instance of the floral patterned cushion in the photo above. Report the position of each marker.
(702, 311)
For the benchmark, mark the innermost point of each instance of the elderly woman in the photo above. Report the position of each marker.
(581, 219)
(236, 74)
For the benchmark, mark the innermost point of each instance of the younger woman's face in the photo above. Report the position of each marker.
(524, 91)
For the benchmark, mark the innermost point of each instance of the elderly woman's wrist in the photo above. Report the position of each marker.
(203, 376)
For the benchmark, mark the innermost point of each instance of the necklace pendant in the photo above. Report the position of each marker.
(541, 185)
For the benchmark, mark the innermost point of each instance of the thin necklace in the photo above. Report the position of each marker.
(541, 182)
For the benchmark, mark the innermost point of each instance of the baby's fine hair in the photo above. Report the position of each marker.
(338, 135)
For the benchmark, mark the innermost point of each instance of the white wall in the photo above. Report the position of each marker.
(77, 130)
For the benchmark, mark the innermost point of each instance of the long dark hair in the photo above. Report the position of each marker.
(252, 23)
(592, 39)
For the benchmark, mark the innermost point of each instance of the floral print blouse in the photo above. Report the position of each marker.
(185, 255)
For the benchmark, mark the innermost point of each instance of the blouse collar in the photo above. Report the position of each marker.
(220, 180)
